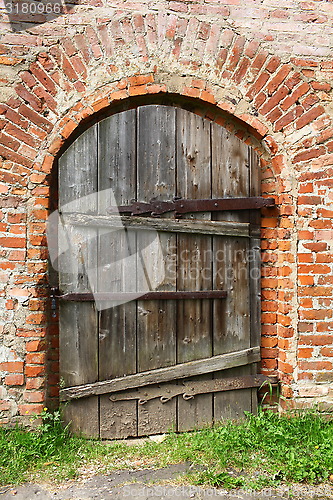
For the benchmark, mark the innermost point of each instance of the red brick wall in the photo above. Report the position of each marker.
(268, 66)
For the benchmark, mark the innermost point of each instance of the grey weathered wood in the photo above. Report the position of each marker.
(230, 178)
(117, 323)
(156, 320)
(194, 273)
(78, 322)
(255, 266)
(208, 227)
(181, 370)
(162, 152)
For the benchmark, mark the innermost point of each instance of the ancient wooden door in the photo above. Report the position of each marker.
(185, 352)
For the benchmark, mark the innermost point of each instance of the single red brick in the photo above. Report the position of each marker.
(278, 79)
(309, 200)
(141, 79)
(326, 351)
(35, 383)
(269, 341)
(36, 318)
(315, 314)
(79, 66)
(36, 118)
(315, 365)
(34, 396)
(267, 353)
(251, 48)
(321, 86)
(34, 371)
(274, 100)
(12, 366)
(269, 364)
(34, 102)
(43, 77)
(309, 153)
(309, 116)
(242, 69)
(305, 63)
(36, 358)
(56, 145)
(299, 92)
(68, 128)
(259, 61)
(45, 97)
(309, 101)
(9, 142)
(14, 379)
(11, 242)
(258, 85)
(273, 64)
(28, 79)
(285, 367)
(30, 409)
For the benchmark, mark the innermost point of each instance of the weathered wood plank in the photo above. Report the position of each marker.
(117, 323)
(183, 205)
(78, 322)
(194, 260)
(255, 266)
(156, 320)
(208, 227)
(182, 370)
(230, 178)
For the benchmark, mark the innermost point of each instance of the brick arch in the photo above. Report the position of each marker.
(276, 103)
(147, 54)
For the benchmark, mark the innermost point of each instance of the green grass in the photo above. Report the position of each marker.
(260, 451)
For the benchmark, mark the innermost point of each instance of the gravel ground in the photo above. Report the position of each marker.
(148, 484)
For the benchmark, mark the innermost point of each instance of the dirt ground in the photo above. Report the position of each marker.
(154, 485)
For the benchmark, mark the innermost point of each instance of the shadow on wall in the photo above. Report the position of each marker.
(29, 13)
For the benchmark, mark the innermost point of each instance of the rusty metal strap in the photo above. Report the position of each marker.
(180, 295)
(189, 389)
(180, 206)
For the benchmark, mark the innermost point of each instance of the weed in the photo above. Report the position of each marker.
(261, 450)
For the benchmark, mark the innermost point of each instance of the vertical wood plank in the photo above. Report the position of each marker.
(194, 261)
(255, 268)
(117, 324)
(78, 321)
(230, 178)
(156, 320)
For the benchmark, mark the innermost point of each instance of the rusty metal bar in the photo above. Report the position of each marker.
(188, 389)
(180, 295)
(180, 206)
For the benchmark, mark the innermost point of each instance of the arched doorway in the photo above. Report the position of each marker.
(184, 350)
